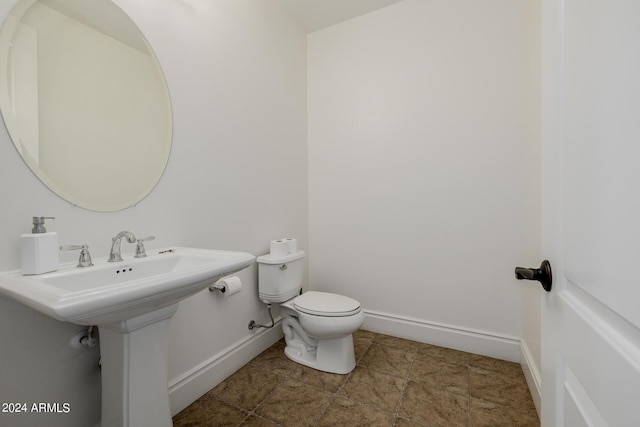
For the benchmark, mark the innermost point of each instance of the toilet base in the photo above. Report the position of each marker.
(331, 355)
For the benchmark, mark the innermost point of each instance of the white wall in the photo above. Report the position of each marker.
(236, 178)
(424, 169)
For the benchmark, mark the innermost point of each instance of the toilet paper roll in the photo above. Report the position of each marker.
(292, 245)
(279, 247)
(229, 286)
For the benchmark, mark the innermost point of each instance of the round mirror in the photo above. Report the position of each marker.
(85, 101)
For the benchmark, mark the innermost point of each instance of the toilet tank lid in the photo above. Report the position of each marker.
(283, 259)
(326, 304)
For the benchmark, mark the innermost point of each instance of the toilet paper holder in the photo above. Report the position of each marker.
(217, 287)
(227, 286)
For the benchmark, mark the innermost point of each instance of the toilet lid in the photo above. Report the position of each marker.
(326, 304)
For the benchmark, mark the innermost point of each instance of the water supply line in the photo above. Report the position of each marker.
(89, 340)
(253, 323)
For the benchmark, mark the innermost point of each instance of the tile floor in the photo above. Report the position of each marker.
(397, 382)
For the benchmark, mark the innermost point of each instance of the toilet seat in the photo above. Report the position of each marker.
(326, 304)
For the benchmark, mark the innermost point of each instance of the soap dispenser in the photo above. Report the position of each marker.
(39, 250)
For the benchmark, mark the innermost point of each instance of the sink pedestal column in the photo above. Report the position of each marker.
(134, 356)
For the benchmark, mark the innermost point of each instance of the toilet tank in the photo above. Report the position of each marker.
(280, 277)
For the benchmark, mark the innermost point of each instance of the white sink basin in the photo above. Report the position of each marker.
(112, 292)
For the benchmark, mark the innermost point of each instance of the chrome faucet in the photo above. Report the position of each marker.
(114, 255)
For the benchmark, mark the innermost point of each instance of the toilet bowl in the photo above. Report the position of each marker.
(317, 326)
(318, 332)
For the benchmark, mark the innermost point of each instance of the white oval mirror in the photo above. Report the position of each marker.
(85, 101)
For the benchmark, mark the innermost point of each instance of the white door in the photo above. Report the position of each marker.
(591, 212)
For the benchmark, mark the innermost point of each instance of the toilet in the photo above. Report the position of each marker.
(317, 326)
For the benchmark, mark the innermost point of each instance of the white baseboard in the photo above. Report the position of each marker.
(188, 387)
(532, 375)
(469, 340)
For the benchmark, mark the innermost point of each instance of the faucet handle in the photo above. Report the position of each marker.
(140, 251)
(85, 256)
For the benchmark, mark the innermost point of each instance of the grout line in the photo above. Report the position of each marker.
(404, 388)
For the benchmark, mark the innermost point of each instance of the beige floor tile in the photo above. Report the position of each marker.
(295, 404)
(345, 412)
(361, 333)
(434, 407)
(395, 342)
(324, 380)
(488, 414)
(208, 411)
(373, 388)
(247, 387)
(390, 360)
(274, 360)
(447, 354)
(254, 421)
(360, 346)
(503, 388)
(492, 364)
(403, 422)
(441, 374)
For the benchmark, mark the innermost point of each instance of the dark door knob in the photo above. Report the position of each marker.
(542, 274)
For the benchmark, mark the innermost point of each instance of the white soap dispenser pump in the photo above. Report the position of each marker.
(39, 250)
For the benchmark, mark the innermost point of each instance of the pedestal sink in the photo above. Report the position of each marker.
(132, 303)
